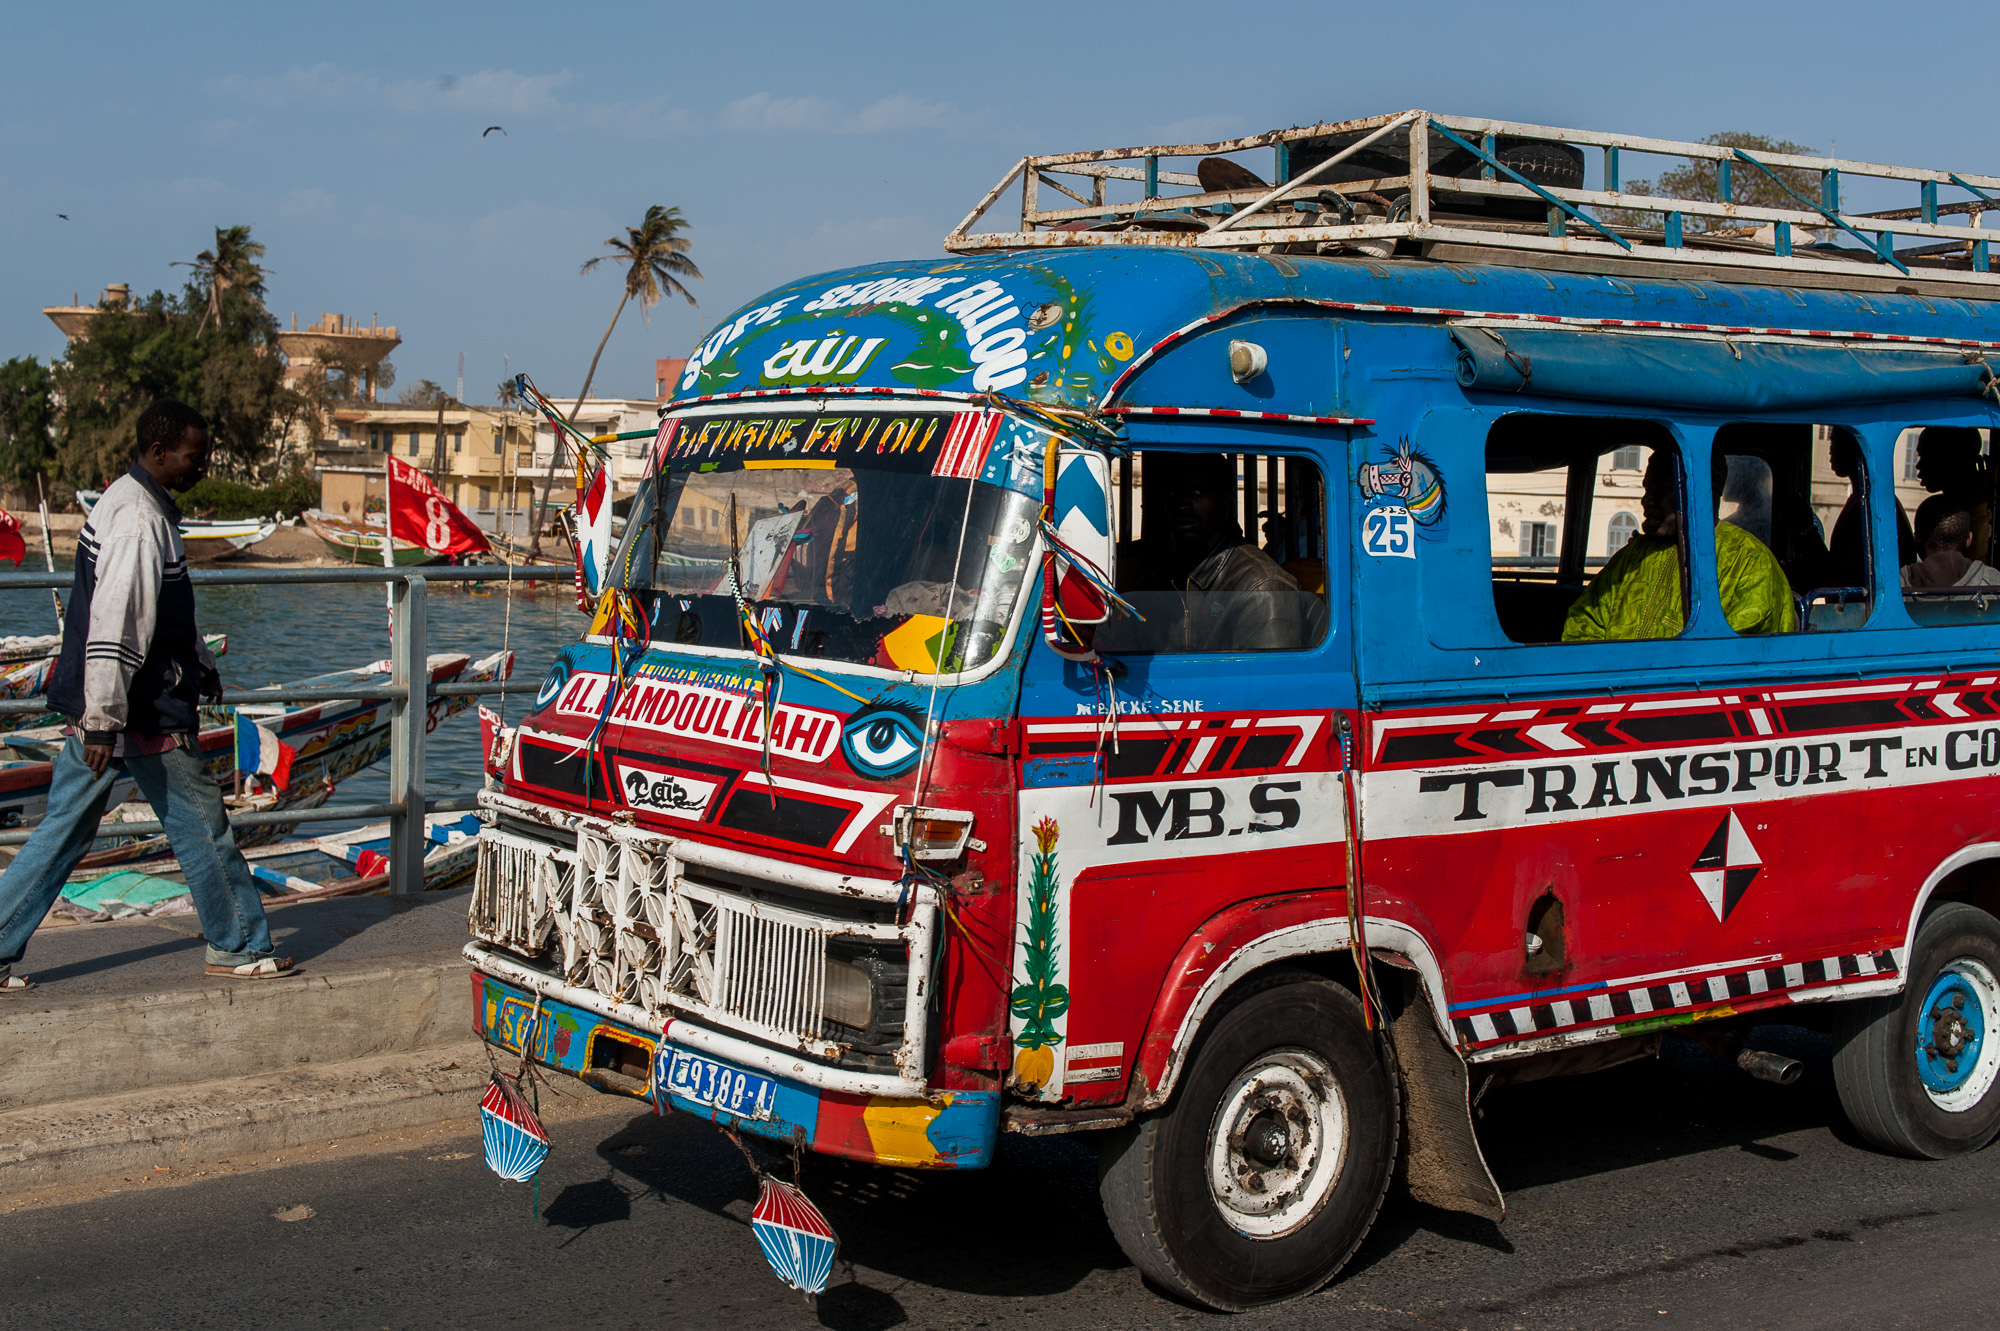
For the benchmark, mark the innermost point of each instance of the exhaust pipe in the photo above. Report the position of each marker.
(1766, 1066)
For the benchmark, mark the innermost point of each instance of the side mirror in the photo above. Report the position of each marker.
(1081, 514)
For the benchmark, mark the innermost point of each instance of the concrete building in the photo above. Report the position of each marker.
(336, 341)
(601, 416)
(74, 318)
(483, 463)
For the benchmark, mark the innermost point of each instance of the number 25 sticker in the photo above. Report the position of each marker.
(1389, 532)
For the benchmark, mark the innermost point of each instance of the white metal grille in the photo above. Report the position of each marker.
(521, 889)
(770, 965)
(626, 922)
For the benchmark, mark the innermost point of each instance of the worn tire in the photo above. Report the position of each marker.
(1892, 1064)
(1302, 1171)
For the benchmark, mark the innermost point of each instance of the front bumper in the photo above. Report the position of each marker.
(578, 1031)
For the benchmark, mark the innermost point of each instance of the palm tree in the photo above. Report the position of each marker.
(232, 263)
(655, 259)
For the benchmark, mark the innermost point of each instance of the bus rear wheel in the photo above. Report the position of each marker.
(1919, 1071)
(1264, 1173)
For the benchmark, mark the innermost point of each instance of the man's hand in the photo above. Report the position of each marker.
(211, 685)
(97, 757)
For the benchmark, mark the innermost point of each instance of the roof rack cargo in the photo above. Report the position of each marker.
(1462, 189)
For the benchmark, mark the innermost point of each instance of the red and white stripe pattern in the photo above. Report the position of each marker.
(1512, 316)
(965, 444)
(1231, 414)
(664, 440)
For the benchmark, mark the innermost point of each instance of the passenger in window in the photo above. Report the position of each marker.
(1948, 464)
(1847, 563)
(1237, 599)
(1947, 536)
(1638, 593)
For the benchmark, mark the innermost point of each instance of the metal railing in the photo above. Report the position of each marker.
(409, 693)
(1317, 210)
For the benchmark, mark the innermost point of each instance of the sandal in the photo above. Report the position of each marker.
(266, 968)
(15, 984)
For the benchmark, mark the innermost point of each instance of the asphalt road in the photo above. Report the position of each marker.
(1670, 1193)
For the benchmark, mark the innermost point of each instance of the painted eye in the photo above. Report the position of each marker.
(558, 676)
(881, 742)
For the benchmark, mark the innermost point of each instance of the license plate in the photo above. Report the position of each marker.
(719, 1086)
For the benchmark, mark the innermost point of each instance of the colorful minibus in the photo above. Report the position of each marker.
(1238, 672)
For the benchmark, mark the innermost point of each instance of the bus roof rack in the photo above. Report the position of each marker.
(1463, 189)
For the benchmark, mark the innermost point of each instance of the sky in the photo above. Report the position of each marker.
(797, 138)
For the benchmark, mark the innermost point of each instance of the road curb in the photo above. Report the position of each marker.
(83, 1140)
(73, 1050)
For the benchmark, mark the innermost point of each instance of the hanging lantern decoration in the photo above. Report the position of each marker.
(795, 1237)
(516, 1145)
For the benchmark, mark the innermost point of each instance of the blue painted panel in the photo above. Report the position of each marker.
(1426, 629)
(1040, 772)
(1692, 375)
(1079, 316)
(964, 1132)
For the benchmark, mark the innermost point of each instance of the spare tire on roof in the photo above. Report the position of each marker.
(1218, 174)
(1544, 161)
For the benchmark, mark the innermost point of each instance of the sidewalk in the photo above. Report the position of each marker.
(128, 1055)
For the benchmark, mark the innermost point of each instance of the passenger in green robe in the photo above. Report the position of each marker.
(1637, 594)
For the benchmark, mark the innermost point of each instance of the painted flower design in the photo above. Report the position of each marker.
(1039, 1000)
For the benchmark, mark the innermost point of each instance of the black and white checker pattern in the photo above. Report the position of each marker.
(1671, 996)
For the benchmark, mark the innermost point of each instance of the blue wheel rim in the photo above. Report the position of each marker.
(1951, 1032)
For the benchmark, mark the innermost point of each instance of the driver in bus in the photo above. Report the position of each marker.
(1237, 598)
(1638, 593)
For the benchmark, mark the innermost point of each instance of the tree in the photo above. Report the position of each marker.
(348, 377)
(231, 265)
(157, 348)
(655, 257)
(423, 393)
(1749, 186)
(27, 419)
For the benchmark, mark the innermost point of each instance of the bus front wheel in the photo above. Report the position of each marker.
(1264, 1173)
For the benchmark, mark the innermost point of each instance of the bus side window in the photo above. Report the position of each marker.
(1221, 552)
(1800, 494)
(1578, 554)
(1949, 577)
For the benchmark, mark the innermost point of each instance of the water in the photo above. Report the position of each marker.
(281, 634)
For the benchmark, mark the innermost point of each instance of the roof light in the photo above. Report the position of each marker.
(1246, 361)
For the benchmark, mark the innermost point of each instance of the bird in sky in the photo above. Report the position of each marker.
(489, 129)
(64, 216)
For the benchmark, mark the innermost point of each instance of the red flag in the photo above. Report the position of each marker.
(419, 513)
(11, 545)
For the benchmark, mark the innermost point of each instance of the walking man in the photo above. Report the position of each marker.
(131, 676)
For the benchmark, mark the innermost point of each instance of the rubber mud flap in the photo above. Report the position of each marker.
(1442, 1163)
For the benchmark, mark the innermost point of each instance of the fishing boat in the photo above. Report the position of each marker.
(204, 541)
(25, 662)
(361, 542)
(29, 647)
(207, 542)
(341, 864)
(330, 741)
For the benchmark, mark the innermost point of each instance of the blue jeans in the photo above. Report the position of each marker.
(189, 804)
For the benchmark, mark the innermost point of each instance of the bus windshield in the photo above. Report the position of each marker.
(848, 549)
